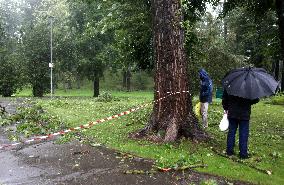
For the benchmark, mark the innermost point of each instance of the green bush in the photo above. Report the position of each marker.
(278, 100)
(104, 97)
(11, 76)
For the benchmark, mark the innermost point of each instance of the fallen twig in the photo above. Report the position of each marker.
(183, 167)
(192, 166)
(268, 172)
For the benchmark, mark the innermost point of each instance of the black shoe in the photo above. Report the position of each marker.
(244, 156)
(230, 153)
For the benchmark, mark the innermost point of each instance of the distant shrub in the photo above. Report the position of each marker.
(104, 97)
(11, 76)
(278, 100)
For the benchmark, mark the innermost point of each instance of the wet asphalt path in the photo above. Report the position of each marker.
(72, 163)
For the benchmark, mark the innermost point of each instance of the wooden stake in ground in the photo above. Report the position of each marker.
(173, 117)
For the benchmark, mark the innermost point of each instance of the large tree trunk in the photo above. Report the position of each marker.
(173, 115)
(280, 15)
(96, 86)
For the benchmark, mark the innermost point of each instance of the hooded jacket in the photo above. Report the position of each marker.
(206, 87)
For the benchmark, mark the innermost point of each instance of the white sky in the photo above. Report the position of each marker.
(214, 11)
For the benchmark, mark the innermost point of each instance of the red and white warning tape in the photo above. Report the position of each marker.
(88, 125)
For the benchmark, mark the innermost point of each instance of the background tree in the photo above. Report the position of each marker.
(209, 50)
(92, 39)
(36, 49)
(36, 40)
(11, 68)
(258, 9)
(36, 43)
(89, 41)
(130, 22)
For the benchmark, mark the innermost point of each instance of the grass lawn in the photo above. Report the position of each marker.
(265, 143)
(87, 92)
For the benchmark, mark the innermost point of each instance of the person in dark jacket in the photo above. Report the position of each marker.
(205, 97)
(238, 111)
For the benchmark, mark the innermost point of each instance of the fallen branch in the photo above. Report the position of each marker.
(268, 172)
(183, 167)
(192, 166)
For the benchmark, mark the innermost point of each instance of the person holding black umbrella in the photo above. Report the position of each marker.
(242, 88)
(238, 110)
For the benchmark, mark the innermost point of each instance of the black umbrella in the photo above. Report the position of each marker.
(250, 83)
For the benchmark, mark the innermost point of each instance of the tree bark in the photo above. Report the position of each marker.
(69, 84)
(124, 79)
(282, 79)
(276, 70)
(173, 115)
(258, 60)
(128, 79)
(78, 81)
(37, 91)
(65, 87)
(96, 85)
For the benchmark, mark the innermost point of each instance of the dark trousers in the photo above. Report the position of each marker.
(243, 136)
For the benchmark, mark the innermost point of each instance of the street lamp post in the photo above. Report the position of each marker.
(51, 55)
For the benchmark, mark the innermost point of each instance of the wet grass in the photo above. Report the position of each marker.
(266, 136)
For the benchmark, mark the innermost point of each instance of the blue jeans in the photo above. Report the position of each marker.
(243, 136)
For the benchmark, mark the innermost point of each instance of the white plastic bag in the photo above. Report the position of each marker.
(224, 123)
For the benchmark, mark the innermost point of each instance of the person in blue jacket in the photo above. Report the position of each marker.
(205, 97)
